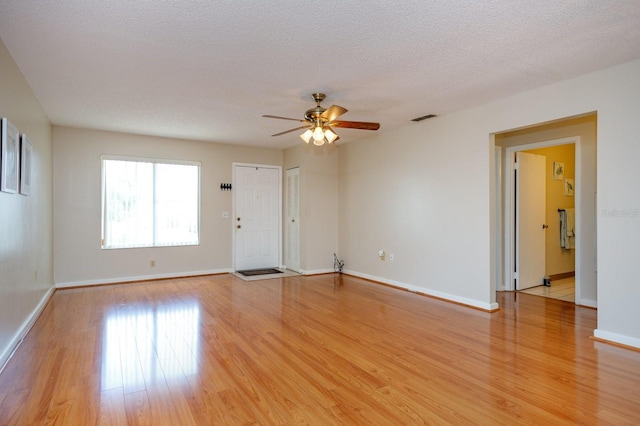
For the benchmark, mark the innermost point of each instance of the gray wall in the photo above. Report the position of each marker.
(26, 272)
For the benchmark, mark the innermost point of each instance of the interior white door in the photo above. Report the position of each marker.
(257, 217)
(530, 200)
(292, 220)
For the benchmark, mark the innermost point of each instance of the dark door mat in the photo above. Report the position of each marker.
(254, 272)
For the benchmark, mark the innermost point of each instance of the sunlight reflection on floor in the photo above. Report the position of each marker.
(142, 345)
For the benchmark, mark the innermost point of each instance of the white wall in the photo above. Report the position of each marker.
(618, 204)
(79, 260)
(424, 191)
(26, 272)
(421, 194)
(318, 204)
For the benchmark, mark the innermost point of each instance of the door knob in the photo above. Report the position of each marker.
(239, 226)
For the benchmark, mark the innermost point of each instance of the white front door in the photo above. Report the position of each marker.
(292, 220)
(530, 200)
(257, 208)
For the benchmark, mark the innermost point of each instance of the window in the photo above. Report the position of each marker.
(149, 203)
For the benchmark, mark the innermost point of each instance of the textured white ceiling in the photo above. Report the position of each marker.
(208, 70)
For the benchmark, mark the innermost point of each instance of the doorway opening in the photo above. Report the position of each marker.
(548, 216)
(534, 194)
(570, 145)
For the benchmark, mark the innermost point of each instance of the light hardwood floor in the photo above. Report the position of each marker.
(317, 350)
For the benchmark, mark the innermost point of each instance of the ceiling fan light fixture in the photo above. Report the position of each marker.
(306, 136)
(318, 135)
(330, 135)
(318, 121)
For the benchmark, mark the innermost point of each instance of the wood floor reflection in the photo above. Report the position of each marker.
(312, 350)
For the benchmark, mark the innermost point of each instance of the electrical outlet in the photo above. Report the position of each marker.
(153, 263)
(225, 215)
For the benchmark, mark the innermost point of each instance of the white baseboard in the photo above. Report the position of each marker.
(24, 329)
(118, 280)
(621, 339)
(438, 294)
(588, 303)
(318, 271)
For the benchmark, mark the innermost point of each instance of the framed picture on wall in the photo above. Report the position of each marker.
(9, 157)
(558, 170)
(568, 187)
(25, 165)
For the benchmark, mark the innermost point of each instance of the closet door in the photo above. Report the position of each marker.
(292, 220)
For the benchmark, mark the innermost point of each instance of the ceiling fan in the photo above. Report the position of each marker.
(319, 122)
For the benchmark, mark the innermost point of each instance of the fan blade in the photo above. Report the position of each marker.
(356, 125)
(333, 112)
(292, 130)
(284, 118)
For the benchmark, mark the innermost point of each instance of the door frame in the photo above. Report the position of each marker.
(508, 208)
(287, 228)
(234, 166)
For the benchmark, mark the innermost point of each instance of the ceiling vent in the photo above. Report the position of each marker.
(424, 117)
